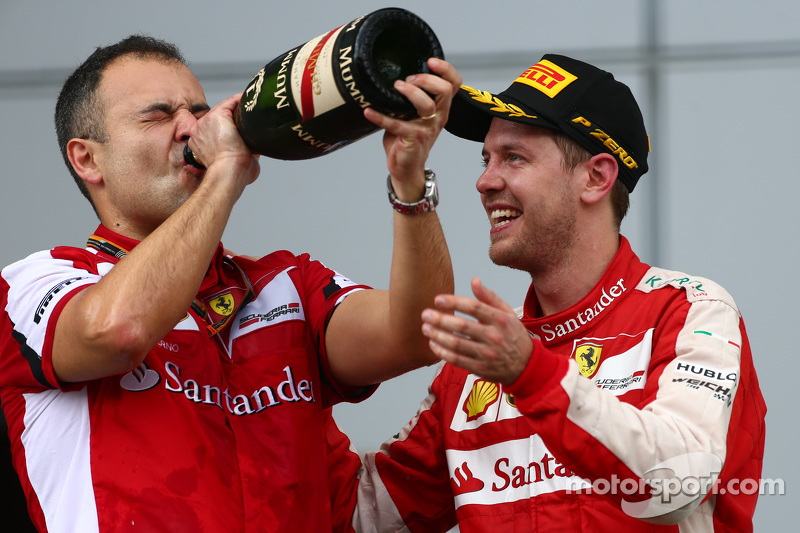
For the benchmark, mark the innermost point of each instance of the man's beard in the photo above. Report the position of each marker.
(544, 244)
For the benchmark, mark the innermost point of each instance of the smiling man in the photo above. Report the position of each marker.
(619, 393)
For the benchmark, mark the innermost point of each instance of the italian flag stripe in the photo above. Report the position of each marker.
(717, 336)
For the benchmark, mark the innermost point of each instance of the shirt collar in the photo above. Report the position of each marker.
(618, 280)
(224, 289)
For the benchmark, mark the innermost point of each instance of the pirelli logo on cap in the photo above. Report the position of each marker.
(547, 77)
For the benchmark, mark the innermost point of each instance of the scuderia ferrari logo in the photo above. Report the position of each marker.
(588, 357)
(222, 304)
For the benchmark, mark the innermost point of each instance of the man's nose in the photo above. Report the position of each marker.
(489, 180)
(185, 122)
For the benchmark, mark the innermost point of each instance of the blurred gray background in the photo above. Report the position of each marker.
(717, 81)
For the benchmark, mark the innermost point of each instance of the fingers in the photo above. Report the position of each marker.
(488, 326)
(230, 103)
(430, 94)
(422, 102)
(408, 142)
(487, 296)
(486, 307)
(413, 88)
(497, 352)
(450, 340)
(448, 323)
(215, 133)
(490, 341)
(446, 71)
(443, 84)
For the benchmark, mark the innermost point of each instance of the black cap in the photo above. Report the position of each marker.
(561, 93)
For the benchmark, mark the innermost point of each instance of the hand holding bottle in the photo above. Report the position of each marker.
(310, 101)
(215, 137)
(408, 142)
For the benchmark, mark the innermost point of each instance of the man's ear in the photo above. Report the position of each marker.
(84, 156)
(601, 174)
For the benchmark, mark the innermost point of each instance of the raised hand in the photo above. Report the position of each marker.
(408, 142)
(490, 342)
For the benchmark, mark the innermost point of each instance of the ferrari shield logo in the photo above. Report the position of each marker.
(588, 356)
(222, 304)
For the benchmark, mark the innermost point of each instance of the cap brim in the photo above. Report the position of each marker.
(472, 111)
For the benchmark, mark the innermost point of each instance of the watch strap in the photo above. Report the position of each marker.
(429, 201)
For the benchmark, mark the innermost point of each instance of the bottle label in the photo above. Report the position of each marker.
(313, 77)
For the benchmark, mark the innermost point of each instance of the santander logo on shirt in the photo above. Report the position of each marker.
(289, 390)
(585, 316)
(508, 471)
(276, 303)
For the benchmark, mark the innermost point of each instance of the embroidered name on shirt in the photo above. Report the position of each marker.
(552, 332)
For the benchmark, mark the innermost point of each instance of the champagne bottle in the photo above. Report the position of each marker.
(309, 101)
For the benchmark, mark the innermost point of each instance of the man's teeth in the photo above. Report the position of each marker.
(501, 217)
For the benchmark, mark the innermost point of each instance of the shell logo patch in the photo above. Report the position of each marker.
(588, 357)
(483, 394)
(547, 77)
(222, 304)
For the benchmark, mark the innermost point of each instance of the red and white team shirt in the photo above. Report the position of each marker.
(209, 433)
(651, 370)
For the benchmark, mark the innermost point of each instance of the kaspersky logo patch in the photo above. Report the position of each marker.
(547, 77)
(222, 304)
(587, 356)
(483, 394)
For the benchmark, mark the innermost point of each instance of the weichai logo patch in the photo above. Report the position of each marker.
(547, 77)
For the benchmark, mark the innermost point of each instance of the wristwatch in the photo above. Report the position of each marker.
(428, 202)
